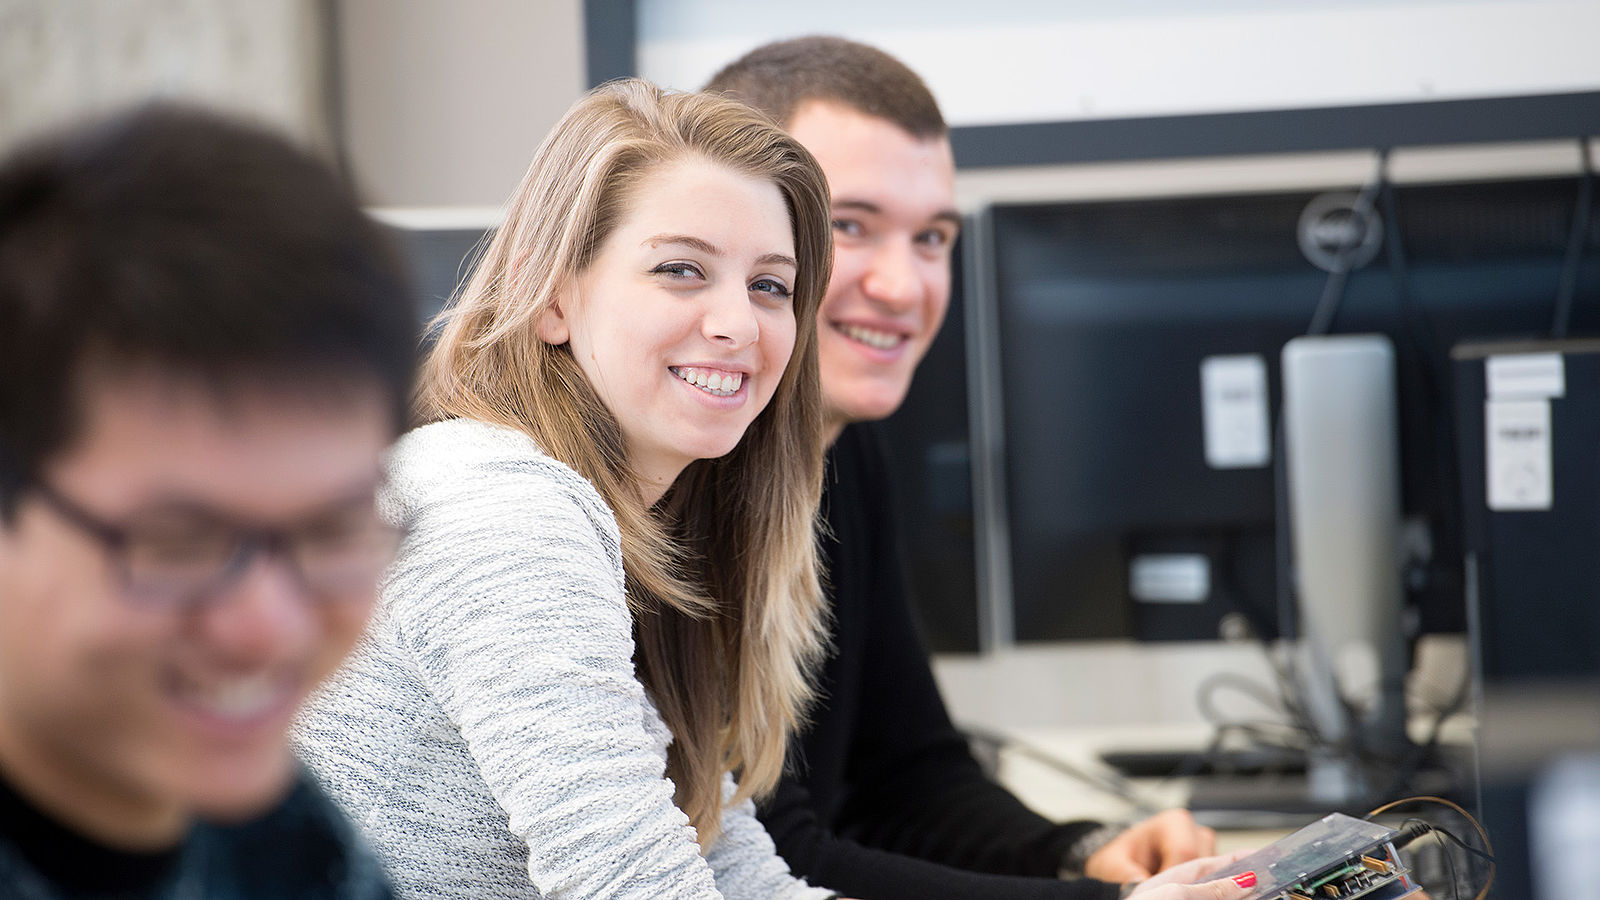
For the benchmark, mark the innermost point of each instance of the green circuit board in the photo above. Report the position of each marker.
(1334, 858)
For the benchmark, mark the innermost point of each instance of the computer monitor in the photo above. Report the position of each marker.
(928, 446)
(1112, 315)
(1140, 347)
(1530, 440)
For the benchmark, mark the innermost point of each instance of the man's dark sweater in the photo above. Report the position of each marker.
(884, 800)
(304, 849)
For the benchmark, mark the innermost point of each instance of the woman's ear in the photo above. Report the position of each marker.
(553, 326)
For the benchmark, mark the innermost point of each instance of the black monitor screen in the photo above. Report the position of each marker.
(1106, 312)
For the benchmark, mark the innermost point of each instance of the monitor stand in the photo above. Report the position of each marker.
(1287, 799)
(1341, 459)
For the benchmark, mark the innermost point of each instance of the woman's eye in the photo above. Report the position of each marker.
(677, 270)
(769, 286)
(848, 227)
(934, 238)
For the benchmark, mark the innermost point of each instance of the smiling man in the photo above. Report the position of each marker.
(205, 348)
(894, 224)
(884, 799)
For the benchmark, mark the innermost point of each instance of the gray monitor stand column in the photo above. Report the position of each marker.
(1341, 440)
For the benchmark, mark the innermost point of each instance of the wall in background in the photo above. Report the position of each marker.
(61, 60)
(1061, 60)
(444, 103)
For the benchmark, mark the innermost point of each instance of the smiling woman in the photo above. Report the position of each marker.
(607, 605)
(684, 322)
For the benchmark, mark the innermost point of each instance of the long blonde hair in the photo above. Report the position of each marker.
(722, 572)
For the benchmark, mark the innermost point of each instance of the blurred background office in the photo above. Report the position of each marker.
(1096, 470)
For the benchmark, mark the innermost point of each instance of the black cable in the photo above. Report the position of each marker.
(1575, 243)
(1466, 846)
(1419, 754)
(1444, 851)
(1296, 734)
(1422, 828)
(1288, 601)
(1344, 257)
(1411, 833)
(1417, 332)
(1217, 758)
(1111, 784)
(1328, 304)
(1414, 317)
(1244, 685)
(1450, 863)
(1419, 336)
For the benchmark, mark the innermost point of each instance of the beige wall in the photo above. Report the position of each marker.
(61, 60)
(444, 103)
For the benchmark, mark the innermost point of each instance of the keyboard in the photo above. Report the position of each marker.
(1191, 762)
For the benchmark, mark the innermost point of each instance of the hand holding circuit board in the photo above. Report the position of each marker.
(1334, 858)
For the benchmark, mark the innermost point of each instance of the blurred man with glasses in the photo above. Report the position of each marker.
(205, 347)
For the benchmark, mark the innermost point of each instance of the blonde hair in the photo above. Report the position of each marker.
(722, 572)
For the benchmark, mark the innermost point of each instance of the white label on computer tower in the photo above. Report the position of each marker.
(1169, 578)
(1518, 454)
(1233, 402)
(1525, 376)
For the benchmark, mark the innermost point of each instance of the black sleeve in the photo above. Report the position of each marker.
(815, 853)
(905, 810)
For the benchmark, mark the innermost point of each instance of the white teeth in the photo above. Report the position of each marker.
(883, 340)
(714, 383)
(242, 698)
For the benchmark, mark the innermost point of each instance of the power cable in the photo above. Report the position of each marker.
(1413, 832)
(1344, 256)
(1576, 239)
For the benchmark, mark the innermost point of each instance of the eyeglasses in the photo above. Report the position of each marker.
(188, 561)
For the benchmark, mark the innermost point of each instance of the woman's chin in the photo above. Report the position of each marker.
(717, 450)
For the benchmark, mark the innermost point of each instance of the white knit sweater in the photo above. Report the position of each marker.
(488, 735)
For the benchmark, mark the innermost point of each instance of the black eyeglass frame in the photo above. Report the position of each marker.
(249, 542)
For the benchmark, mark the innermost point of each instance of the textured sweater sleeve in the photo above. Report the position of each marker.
(490, 735)
(747, 866)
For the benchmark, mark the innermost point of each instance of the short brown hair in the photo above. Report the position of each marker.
(208, 247)
(777, 78)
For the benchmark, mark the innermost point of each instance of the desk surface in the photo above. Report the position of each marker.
(1061, 796)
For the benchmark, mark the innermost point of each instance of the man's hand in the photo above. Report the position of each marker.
(1157, 843)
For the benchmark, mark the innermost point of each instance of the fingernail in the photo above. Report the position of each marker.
(1245, 880)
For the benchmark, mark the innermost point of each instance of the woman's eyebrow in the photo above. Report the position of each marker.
(706, 247)
(688, 240)
(776, 259)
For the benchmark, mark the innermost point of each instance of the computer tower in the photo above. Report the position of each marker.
(1529, 438)
(1528, 429)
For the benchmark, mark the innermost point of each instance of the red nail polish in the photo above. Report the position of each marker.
(1245, 880)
